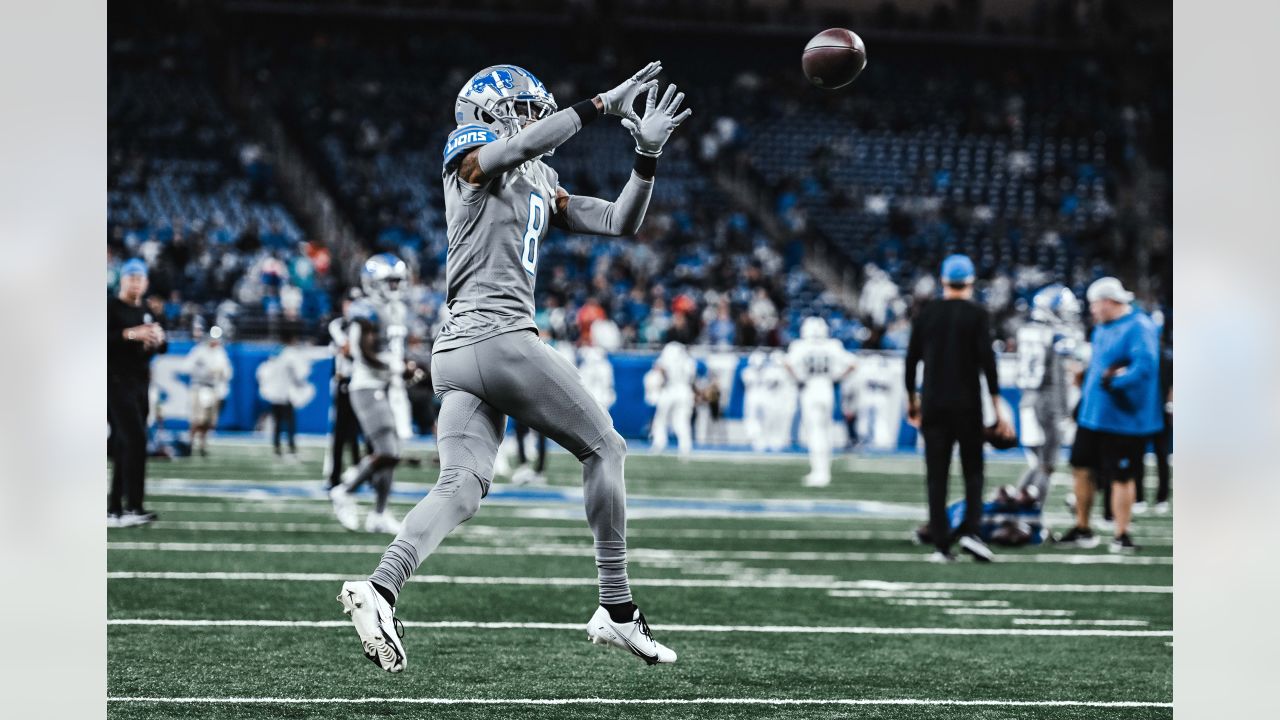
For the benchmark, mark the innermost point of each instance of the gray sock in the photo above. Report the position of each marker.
(382, 488)
(453, 500)
(364, 473)
(605, 493)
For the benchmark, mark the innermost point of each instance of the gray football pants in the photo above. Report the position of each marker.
(514, 374)
(1046, 454)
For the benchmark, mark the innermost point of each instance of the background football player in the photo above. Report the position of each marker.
(376, 338)
(210, 371)
(753, 399)
(488, 362)
(1046, 344)
(346, 428)
(817, 362)
(674, 409)
(779, 389)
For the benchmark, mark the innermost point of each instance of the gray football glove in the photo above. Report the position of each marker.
(620, 100)
(659, 121)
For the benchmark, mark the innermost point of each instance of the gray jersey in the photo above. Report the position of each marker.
(389, 320)
(495, 231)
(1041, 372)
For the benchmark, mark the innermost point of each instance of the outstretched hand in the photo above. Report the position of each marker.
(660, 120)
(620, 100)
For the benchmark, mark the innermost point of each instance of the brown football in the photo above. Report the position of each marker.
(834, 58)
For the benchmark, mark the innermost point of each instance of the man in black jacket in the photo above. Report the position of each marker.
(133, 338)
(953, 338)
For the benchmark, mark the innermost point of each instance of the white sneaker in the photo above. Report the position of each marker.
(1139, 508)
(375, 622)
(633, 637)
(344, 507)
(812, 480)
(976, 548)
(381, 522)
(1162, 508)
(525, 475)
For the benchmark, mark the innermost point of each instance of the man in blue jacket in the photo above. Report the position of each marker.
(1120, 408)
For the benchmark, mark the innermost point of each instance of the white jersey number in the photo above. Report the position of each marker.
(533, 231)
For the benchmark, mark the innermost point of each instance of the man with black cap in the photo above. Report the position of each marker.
(953, 338)
(1120, 409)
(133, 338)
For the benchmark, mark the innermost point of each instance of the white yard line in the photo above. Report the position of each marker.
(941, 603)
(1008, 611)
(1098, 623)
(635, 554)
(768, 629)
(762, 583)
(636, 701)
(516, 532)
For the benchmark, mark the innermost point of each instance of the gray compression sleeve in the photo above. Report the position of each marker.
(623, 216)
(537, 139)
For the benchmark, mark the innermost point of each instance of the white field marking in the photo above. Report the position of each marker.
(516, 532)
(636, 554)
(887, 594)
(635, 701)
(1149, 532)
(1008, 611)
(1098, 623)
(766, 629)
(784, 583)
(950, 603)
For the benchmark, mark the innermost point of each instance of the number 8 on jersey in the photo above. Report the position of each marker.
(532, 231)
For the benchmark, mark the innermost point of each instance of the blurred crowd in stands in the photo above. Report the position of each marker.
(1041, 164)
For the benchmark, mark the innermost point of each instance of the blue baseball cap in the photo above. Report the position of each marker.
(134, 266)
(957, 269)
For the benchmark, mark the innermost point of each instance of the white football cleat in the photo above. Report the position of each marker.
(1162, 508)
(381, 522)
(525, 475)
(812, 480)
(1139, 507)
(375, 622)
(344, 507)
(632, 636)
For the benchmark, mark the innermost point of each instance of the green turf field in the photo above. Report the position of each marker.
(782, 602)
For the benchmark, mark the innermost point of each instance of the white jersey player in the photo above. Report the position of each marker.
(817, 362)
(880, 402)
(675, 400)
(210, 371)
(754, 400)
(597, 375)
(779, 389)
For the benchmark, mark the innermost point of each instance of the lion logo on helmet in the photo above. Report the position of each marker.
(500, 77)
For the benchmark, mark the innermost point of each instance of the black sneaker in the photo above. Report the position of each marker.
(135, 518)
(1079, 537)
(1123, 544)
(975, 547)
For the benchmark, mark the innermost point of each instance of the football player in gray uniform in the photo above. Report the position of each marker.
(1045, 345)
(488, 362)
(376, 337)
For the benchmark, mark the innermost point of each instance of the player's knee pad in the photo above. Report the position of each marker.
(455, 484)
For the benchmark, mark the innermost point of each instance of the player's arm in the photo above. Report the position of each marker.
(543, 136)
(365, 336)
(623, 216)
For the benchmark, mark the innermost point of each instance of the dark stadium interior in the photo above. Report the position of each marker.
(257, 151)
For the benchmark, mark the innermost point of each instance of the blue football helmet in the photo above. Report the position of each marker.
(1055, 303)
(503, 98)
